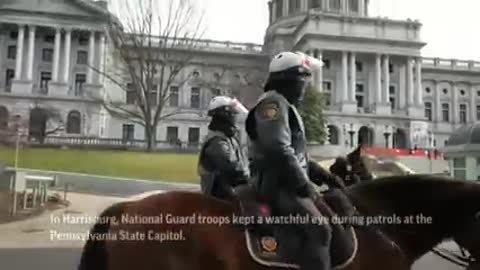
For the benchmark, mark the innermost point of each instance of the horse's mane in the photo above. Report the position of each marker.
(402, 192)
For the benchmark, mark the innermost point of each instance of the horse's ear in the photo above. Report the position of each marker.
(356, 154)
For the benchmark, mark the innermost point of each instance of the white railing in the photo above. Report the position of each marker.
(452, 64)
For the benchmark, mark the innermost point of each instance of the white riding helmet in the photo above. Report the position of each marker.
(285, 61)
(228, 103)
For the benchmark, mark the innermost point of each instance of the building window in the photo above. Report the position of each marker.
(293, 6)
(390, 68)
(478, 112)
(427, 90)
(459, 168)
(216, 92)
(173, 97)
(172, 135)
(428, 110)
(314, 4)
(462, 92)
(12, 52)
(353, 6)
(445, 112)
(128, 132)
(130, 93)
(279, 10)
(392, 97)
(47, 55)
(193, 135)
(335, 5)
(73, 122)
(359, 95)
(327, 92)
(463, 113)
(326, 63)
(359, 66)
(82, 58)
(195, 98)
(83, 40)
(10, 74)
(13, 35)
(152, 97)
(80, 80)
(45, 78)
(49, 38)
(445, 91)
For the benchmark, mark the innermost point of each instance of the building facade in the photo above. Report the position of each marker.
(380, 90)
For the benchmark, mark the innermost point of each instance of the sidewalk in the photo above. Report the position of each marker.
(36, 232)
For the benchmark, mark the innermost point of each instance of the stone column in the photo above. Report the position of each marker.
(344, 77)
(410, 91)
(320, 72)
(67, 54)
(19, 55)
(473, 104)
(418, 85)
(274, 11)
(285, 8)
(455, 104)
(31, 52)
(353, 77)
(343, 6)
(327, 5)
(361, 7)
(101, 62)
(378, 78)
(386, 79)
(56, 55)
(437, 107)
(91, 57)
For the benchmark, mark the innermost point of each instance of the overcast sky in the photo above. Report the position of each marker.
(451, 28)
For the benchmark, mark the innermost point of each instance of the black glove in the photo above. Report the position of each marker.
(307, 191)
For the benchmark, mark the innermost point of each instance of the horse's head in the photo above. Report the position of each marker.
(350, 166)
(423, 210)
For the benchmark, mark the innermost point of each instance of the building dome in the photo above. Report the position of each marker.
(468, 134)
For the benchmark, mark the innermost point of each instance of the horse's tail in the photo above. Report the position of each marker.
(94, 255)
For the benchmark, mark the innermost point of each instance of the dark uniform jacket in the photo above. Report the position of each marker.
(221, 162)
(279, 152)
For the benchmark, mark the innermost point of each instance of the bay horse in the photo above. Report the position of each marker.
(355, 164)
(470, 240)
(445, 207)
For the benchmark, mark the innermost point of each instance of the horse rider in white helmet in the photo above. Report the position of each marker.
(222, 164)
(282, 173)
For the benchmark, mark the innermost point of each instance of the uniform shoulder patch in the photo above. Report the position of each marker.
(270, 111)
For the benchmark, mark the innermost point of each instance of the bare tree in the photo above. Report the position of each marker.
(44, 121)
(153, 50)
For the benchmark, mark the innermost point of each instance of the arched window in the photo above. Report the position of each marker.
(333, 135)
(74, 122)
(3, 117)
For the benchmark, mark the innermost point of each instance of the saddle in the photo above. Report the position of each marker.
(269, 250)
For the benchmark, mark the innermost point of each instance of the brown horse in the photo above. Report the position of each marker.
(445, 207)
(470, 240)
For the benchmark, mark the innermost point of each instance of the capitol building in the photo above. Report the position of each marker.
(379, 88)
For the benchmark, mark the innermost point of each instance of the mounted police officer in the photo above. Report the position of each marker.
(283, 173)
(222, 164)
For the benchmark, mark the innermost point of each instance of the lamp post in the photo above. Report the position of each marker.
(386, 134)
(351, 132)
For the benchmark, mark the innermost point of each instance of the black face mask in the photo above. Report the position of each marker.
(225, 122)
(292, 90)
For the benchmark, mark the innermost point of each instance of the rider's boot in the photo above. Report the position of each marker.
(317, 238)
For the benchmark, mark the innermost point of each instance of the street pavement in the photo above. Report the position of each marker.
(26, 244)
